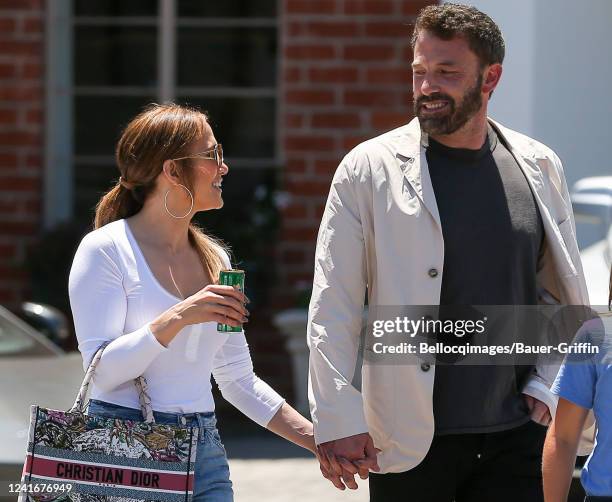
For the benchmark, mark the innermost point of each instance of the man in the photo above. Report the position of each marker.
(450, 209)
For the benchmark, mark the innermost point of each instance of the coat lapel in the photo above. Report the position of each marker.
(411, 152)
(410, 147)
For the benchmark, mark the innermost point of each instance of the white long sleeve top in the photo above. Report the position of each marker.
(114, 296)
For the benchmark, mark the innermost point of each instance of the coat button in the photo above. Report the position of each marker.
(425, 366)
(433, 272)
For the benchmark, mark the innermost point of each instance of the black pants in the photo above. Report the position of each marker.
(598, 499)
(494, 467)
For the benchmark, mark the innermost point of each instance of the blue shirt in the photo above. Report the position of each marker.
(586, 380)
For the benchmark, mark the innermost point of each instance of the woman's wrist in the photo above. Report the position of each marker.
(168, 324)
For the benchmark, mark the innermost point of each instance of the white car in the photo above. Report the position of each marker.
(592, 204)
(33, 370)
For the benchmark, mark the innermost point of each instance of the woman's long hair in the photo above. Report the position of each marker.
(159, 133)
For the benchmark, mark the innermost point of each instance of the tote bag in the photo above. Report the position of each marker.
(75, 457)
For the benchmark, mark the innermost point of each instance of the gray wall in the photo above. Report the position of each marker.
(557, 80)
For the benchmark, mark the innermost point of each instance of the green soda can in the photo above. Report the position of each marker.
(231, 278)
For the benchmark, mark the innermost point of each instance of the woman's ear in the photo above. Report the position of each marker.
(170, 171)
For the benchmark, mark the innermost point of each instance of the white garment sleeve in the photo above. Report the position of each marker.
(238, 383)
(99, 306)
(335, 314)
(233, 372)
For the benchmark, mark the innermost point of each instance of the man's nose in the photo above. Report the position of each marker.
(224, 169)
(429, 86)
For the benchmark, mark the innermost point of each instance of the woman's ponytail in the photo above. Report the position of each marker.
(119, 202)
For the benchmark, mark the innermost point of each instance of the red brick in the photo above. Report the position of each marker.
(33, 206)
(325, 167)
(23, 47)
(34, 161)
(35, 116)
(308, 187)
(333, 75)
(7, 70)
(368, 97)
(390, 120)
(13, 228)
(309, 143)
(293, 256)
(350, 142)
(8, 250)
(8, 272)
(408, 99)
(7, 26)
(407, 54)
(21, 4)
(33, 25)
(310, 6)
(307, 97)
(295, 212)
(375, 7)
(295, 234)
(395, 29)
(318, 211)
(294, 120)
(294, 165)
(32, 70)
(336, 120)
(412, 7)
(19, 184)
(20, 139)
(389, 76)
(369, 52)
(292, 75)
(12, 93)
(295, 29)
(312, 52)
(7, 296)
(8, 117)
(332, 29)
(8, 160)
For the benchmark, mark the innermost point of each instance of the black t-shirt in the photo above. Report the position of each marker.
(493, 234)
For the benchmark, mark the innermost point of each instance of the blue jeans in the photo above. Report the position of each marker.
(211, 479)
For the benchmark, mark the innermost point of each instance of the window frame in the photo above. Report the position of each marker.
(60, 154)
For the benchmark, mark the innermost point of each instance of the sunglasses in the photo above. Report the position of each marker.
(216, 154)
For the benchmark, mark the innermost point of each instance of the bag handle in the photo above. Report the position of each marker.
(141, 386)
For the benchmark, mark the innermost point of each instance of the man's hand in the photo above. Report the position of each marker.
(342, 458)
(538, 410)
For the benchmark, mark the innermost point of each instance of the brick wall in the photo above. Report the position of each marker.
(345, 78)
(21, 139)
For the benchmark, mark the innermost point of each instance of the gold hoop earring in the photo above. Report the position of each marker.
(166, 203)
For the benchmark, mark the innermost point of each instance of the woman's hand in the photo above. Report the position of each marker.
(215, 303)
(222, 304)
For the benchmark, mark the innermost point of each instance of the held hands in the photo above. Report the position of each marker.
(223, 304)
(342, 458)
(538, 410)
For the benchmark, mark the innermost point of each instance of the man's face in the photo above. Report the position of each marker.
(447, 82)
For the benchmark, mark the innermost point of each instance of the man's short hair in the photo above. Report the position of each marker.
(451, 20)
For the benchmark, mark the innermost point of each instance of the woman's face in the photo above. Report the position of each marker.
(207, 175)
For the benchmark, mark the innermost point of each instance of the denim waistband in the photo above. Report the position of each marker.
(204, 420)
(591, 498)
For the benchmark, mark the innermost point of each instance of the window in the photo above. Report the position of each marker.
(219, 56)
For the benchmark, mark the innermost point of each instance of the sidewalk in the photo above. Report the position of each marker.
(265, 468)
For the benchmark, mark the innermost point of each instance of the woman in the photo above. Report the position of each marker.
(583, 383)
(145, 280)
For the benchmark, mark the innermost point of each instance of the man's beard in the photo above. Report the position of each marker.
(454, 118)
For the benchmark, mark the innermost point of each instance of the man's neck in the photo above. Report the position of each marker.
(471, 136)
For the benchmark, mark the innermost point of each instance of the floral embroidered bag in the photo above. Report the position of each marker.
(75, 457)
